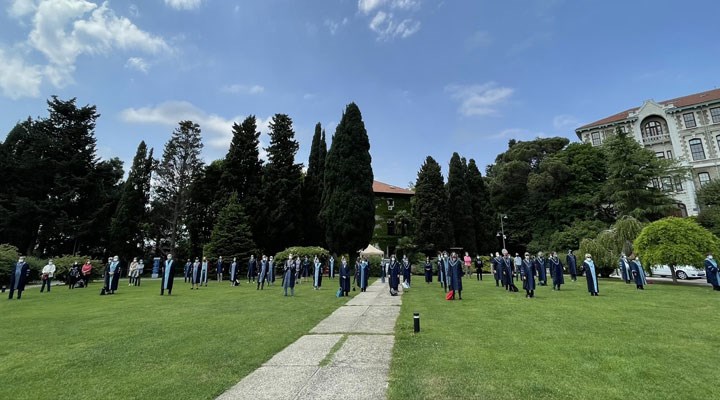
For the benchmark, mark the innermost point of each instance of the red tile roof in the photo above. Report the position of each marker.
(380, 187)
(697, 98)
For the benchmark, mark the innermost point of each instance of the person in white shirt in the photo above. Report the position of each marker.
(48, 272)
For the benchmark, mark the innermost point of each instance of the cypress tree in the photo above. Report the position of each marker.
(314, 234)
(433, 232)
(231, 235)
(127, 228)
(481, 210)
(459, 205)
(282, 183)
(348, 210)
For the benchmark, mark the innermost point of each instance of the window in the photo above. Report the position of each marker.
(704, 178)
(678, 184)
(717, 139)
(653, 129)
(696, 149)
(656, 183)
(669, 154)
(391, 204)
(689, 119)
(596, 139)
(667, 185)
(659, 154)
(715, 115)
(391, 228)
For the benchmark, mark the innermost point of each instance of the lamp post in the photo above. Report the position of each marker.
(502, 229)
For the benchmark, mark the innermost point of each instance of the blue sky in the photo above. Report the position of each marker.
(430, 77)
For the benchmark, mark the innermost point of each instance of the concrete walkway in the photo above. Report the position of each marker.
(346, 356)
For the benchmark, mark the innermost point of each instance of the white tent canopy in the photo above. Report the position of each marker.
(372, 251)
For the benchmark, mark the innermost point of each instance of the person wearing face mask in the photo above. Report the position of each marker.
(19, 277)
(112, 275)
(168, 275)
(331, 268)
(495, 262)
(572, 265)
(541, 268)
(624, 268)
(86, 271)
(479, 267)
(507, 263)
(73, 275)
(527, 274)
(344, 276)
(252, 265)
(364, 274)
(394, 275)
(455, 274)
(139, 271)
(428, 270)
(219, 269)
(637, 271)
(317, 273)
(233, 272)
(195, 274)
(204, 271)
(441, 271)
(712, 275)
(186, 271)
(48, 272)
(131, 271)
(289, 276)
(591, 275)
(406, 272)
(263, 272)
(271, 271)
(556, 271)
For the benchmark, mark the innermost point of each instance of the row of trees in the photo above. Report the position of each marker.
(60, 198)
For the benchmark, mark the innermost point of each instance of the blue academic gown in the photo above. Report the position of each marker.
(591, 276)
(556, 270)
(455, 274)
(507, 270)
(195, 273)
(233, 271)
(711, 272)
(18, 278)
(638, 273)
(541, 270)
(406, 272)
(528, 275)
(624, 268)
(428, 272)
(289, 275)
(317, 276)
(111, 280)
(168, 275)
(441, 272)
(572, 264)
(394, 275)
(364, 275)
(252, 265)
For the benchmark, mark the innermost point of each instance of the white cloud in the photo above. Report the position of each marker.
(309, 96)
(479, 99)
(17, 78)
(184, 4)
(242, 89)
(216, 130)
(565, 121)
(138, 64)
(387, 27)
(368, 6)
(333, 26)
(517, 133)
(134, 10)
(63, 30)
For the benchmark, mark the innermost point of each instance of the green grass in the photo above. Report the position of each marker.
(195, 344)
(661, 343)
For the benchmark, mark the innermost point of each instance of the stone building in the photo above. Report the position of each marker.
(686, 128)
(392, 207)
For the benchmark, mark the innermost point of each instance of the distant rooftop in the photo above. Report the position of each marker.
(380, 187)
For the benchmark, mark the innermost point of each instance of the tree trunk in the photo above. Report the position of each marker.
(672, 271)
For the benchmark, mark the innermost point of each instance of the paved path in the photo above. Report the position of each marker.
(346, 356)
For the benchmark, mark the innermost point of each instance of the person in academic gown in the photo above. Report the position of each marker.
(219, 269)
(507, 264)
(167, 271)
(233, 272)
(456, 272)
(406, 270)
(289, 276)
(441, 271)
(186, 271)
(204, 268)
(624, 267)
(263, 273)
(364, 274)
(527, 274)
(496, 269)
(19, 277)
(556, 270)
(305, 269)
(252, 265)
(591, 275)
(195, 274)
(394, 274)
(428, 270)
(331, 268)
(271, 271)
(345, 276)
(317, 273)
(572, 265)
(479, 267)
(112, 275)
(711, 272)
(637, 271)
(541, 268)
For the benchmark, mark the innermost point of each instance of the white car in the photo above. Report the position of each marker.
(681, 271)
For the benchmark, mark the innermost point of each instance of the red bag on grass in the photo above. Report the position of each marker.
(449, 295)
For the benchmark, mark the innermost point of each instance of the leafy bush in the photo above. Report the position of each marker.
(8, 258)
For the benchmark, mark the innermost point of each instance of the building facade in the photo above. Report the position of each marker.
(686, 128)
(392, 209)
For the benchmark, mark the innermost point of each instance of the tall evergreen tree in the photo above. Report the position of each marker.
(481, 209)
(314, 233)
(282, 183)
(207, 198)
(178, 168)
(128, 228)
(231, 235)
(461, 212)
(348, 210)
(433, 231)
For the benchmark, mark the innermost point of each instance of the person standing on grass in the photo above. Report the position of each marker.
(467, 263)
(624, 267)
(364, 274)
(711, 272)
(394, 275)
(86, 271)
(507, 266)
(204, 267)
(518, 264)
(73, 275)
(48, 272)
(233, 272)
(317, 273)
(131, 271)
(252, 265)
(187, 271)
(406, 270)
(195, 274)
(167, 271)
(478, 267)
(495, 268)
(139, 271)
(112, 275)
(289, 275)
(263, 273)
(637, 272)
(219, 269)
(19, 277)
(591, 275)
(331, 266)
(271, 271)
(428, 270)
(556, 271)
(456, 272)
(541, 268)
(527, 274)
(572, 265)
(441, 271)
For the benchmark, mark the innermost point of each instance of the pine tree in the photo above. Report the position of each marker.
(314, 233)
(433, 231)
(481, 210)
(127, 231)
(207, 198)
(282, 183)
(180, 165)
(231, 235)
(348, 211)
(242, 168)
(459, 205)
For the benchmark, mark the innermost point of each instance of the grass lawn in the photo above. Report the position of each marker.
(195, 344)
(661, 343)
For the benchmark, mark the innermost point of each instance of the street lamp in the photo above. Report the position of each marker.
(502, 229)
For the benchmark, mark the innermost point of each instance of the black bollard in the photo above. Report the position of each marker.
(416, 320)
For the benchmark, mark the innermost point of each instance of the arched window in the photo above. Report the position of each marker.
(653, 129)
(696, 149)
